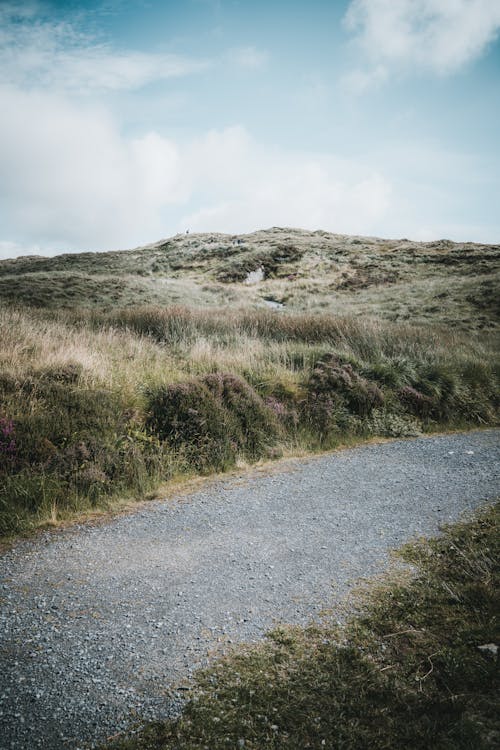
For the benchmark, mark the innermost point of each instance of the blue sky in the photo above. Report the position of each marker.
(125, 122)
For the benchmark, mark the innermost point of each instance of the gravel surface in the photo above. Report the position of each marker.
(101, 625)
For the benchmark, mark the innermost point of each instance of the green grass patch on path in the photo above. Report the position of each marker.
(416, 668)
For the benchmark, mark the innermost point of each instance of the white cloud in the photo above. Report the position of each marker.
(486, 234)
(69, 177)
(436, 35)
(248, 187)
(358, 81)
(10, 249)
(71, 180)
(248, 57)
(40, 53)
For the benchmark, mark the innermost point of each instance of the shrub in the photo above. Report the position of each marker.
(8, 448)
(438, 383)
(388, 373)
(286, 414)
(189, 417)
(415, 402)
(212, 419)
(254, 424)
(388, 424)
(339, 382)
(326, 417)
(61, 415)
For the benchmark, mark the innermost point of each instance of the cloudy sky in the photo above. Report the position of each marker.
(126, 121)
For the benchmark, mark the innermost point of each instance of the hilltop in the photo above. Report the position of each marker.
(287, 269)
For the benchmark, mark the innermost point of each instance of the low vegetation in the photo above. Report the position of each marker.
(103, 396)
(397, 280)
(416, 668)
(122, 371)
(100, 405)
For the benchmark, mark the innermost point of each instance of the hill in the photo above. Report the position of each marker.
(121, 371)
(288, 269)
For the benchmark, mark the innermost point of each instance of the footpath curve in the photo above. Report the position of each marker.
(101, 625)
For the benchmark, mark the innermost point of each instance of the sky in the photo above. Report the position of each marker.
(127, 121)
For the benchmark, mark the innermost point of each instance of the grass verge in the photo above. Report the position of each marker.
(417, 668)
(105, 405)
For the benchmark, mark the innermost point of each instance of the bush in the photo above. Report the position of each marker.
(334, 380)
(8, 447)
(415, 402)
(61, 415)
(326, 417)
(439, 384)
(253, 423)
(212, 419)
(388, 424)
(189, 417)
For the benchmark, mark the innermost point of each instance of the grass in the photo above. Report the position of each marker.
(124, 371)
(103, 396)
(415, 668)
(107, 404)
(397, 280)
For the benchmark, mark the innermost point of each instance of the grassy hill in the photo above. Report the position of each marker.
(120, 371)
(449, 283)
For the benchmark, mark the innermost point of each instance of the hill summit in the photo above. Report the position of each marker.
(280, 268)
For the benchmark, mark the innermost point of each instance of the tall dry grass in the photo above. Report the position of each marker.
(80, 390)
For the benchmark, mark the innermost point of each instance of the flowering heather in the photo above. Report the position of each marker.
(277, 407)
(7, 438)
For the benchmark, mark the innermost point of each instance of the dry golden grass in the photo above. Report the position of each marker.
(434, 282)
(80, 389)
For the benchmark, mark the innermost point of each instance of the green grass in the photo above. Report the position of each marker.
(123, 370)
(120, 372)
(407, 672)
(398, 280)
(111, 404)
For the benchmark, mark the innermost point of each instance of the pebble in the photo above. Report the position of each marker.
(101, 623)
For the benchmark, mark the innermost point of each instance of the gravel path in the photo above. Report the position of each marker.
(101, 624)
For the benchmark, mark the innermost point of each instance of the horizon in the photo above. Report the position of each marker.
(179, 235)
(128, 122)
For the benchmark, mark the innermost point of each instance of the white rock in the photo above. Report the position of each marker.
(253, 277)
(489, 648)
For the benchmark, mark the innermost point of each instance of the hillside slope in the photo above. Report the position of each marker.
(289, 269)
(121, 371)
